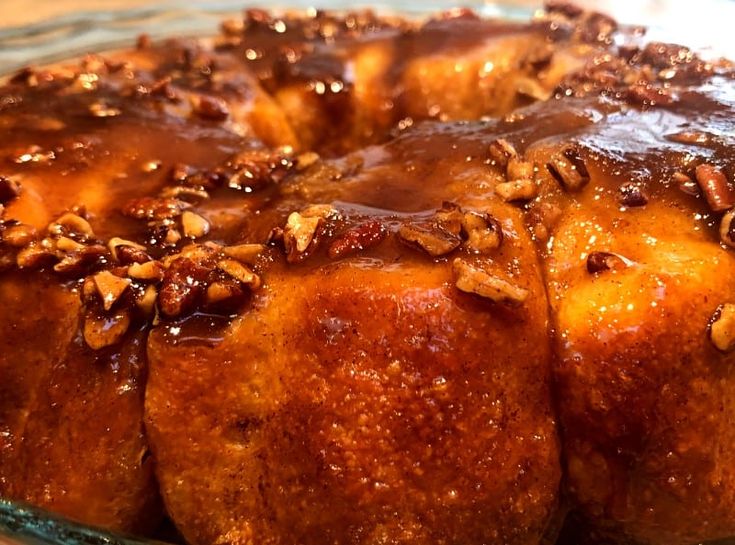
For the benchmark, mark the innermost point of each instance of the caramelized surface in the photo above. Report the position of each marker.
(421, 355)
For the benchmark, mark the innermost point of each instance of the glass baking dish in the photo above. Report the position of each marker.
(76, 32)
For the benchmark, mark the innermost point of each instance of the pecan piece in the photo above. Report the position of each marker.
(102, 331)
(431, 237)
(722, 328)
(149, 271)
(357, 239)
(685, 184)
(632, 195)
(146, 301)
(501, 151)
(194, 225)
(517, 190)
(109, 287)
(183, 284)
(484, 232)
(715, 187)
(127, 251)
(244, 253)
(71, 223)
(18, 235)
(569, 170)
(239, 272)
(79, 262)
(152, 208)
(471, 279)
(302, 231)
(209, 107)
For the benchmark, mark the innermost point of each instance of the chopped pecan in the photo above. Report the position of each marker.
(239, 272)
(517, 190)
(127, 251)
(722, 328)
(569, 170)
(82, 261)
(301, 235)
(484, 232)
(146, 301)
(685, 183)
(255, 168)
(501, 151)
(9, 190)
(305, 160)
(36, 256)
(194, 225)
(519, 169)
(632, 195)
(605, 261)
(431, 236)
(66, 244)
(110, 287)
(152, 208)
(727, 228)
(185, 193)
(224, 293)
(18, 235)
(715, 187)
(210, 107)
(102, 331)
(71, 223)
(244, 253)
(183, 284)
(357, 239)
(148, 271)
(471, 279)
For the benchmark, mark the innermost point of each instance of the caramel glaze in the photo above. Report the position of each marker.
(358, 385)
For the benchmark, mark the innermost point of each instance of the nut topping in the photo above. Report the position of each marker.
(519, 169)
(183, 283)
(631, 195)
(110, 287)
(471, 279)
(727, 228)
(722, 329)
(209, 107)
(569, 169)
(501, 151)
(301, 235)
(149, 271)
(194, 225)
(244, 253)
(357, 239)
(239, 272)
(102, 331)
(685, 183)
(71, 223)
(432, 237)
(147, 301)
(715, 187)
(152, 208)
(517, 190)
(484, 232)
(127, 251)
(19, 235)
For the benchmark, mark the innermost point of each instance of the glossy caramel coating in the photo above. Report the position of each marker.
(365, 400)
(71, 417)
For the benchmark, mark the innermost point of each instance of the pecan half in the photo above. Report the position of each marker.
(471, 279)
(154, 208)
(715, 187)
(183, 284)
(357, 239)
